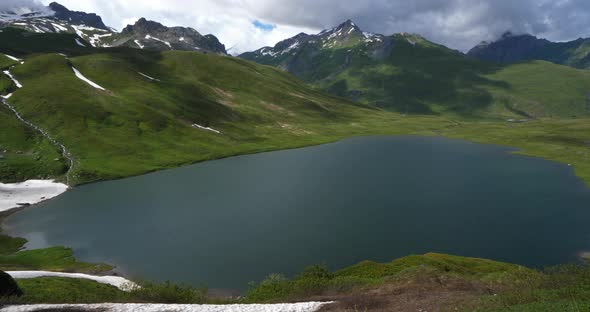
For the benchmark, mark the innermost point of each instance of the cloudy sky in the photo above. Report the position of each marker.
(245, 25)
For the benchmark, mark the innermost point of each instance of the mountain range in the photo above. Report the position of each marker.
(410, 74)
(92, 31)
(512, 48)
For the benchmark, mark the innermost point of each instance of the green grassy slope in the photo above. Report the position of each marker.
(24, 153)
(139, 125)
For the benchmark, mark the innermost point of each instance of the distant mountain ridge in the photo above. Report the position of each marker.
(367, 67)
(512, 48)
(92, 30)
(153, 35)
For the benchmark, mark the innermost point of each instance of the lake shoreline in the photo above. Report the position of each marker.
(427, 141)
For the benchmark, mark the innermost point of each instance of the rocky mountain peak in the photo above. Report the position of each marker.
(144, 26)
(344, 29)
(77, 18)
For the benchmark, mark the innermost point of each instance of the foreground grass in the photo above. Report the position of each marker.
(434, 281)
(67, 290)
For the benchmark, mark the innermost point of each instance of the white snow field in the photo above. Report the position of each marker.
(117, 281)
(81, 77)
(113, 307)
(7, 73)
(30, 192)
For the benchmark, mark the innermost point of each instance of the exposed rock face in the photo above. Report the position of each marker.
(78, 18)
(146, 34)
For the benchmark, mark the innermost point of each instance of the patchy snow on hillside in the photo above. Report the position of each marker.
(148, 77)
(160, 40)
(117, 281)
(12, 57)
(7, 73)
(267, 51)
(96, 39)
(59, 28)
(15, 195)
(146, 307)
(138, 44)
(206, 128)
(80, 43)
(81, 77)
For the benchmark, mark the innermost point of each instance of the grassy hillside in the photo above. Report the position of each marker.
(428, 79)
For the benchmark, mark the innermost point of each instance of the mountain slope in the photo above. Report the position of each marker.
(160, 109)
(410, 74)
(517, 48)
(152, 35)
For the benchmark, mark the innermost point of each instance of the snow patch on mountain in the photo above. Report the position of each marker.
(148, 77)
(88, 81)
(79, 43)
(206, 128)
(139, 44)
(16, 82)
(160, 40)
(12, 57)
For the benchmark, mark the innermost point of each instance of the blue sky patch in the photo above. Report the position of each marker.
(263, 26)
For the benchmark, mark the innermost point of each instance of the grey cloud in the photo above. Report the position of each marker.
(459, 24)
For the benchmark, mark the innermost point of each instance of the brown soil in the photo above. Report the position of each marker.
(420, 294)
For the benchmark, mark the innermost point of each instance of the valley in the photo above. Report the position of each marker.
(84, 104)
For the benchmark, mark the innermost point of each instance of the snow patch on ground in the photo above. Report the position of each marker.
(162, 41)
(30, 192)
(148, 77)
(138, 44)
(81, 77)
(78, 42)
(7, 73)
(58, 27)
(206, 128)
(12, 57)
(113, 307)
(117, 281)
